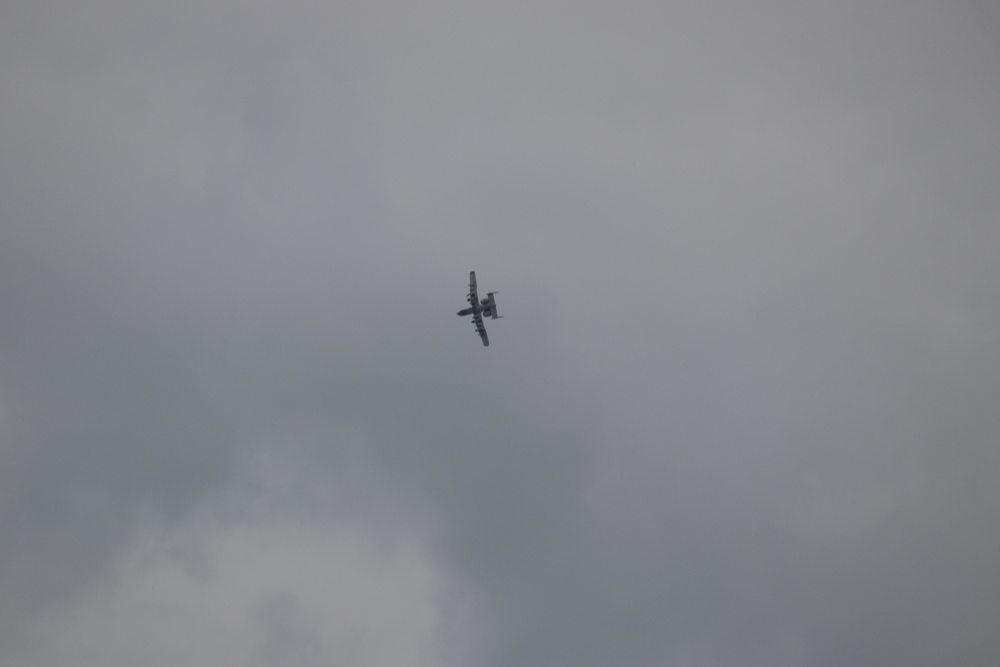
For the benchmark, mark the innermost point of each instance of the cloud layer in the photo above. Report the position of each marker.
(741, 410)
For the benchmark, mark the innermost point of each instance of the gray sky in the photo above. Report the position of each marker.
(742, 409)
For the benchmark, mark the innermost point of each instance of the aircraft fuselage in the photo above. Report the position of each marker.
(476, 308)
(483, 307)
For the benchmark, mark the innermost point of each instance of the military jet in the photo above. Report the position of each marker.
(487, 307)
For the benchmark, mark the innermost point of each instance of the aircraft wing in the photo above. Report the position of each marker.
(473, 295)
(477, 319)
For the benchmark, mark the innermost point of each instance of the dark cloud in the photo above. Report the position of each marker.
(741, 410)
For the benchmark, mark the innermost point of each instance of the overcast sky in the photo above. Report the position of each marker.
(742, 409)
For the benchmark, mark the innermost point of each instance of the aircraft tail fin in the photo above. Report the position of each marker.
(492, 305)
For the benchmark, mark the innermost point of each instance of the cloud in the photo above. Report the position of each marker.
(739, 410)
(259, 589)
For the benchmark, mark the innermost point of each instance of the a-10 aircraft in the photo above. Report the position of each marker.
(478, 309)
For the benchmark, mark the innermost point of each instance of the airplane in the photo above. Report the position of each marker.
(478, 309)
